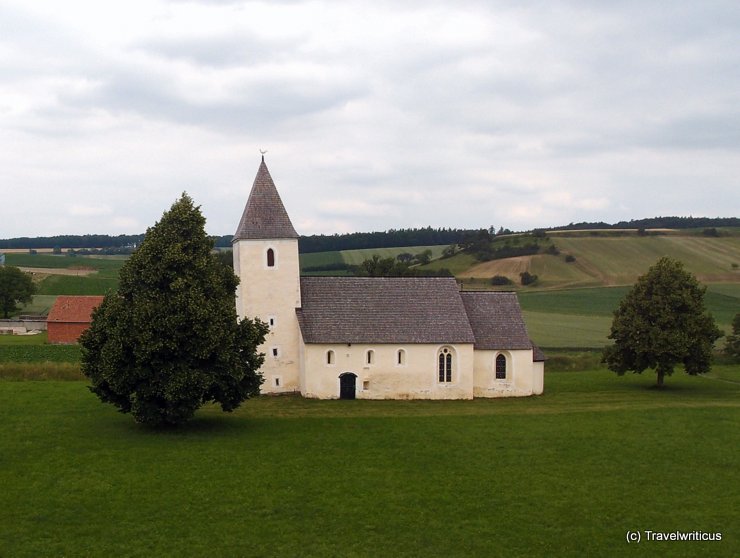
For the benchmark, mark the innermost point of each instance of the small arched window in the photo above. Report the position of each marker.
(444, 360)
(401, 357)
(500, 367)
(270, 257)
(370, 356)
(329, 357)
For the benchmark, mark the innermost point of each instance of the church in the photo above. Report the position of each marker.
(373, 337)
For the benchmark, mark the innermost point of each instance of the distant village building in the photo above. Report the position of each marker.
(70, 316)
(373, 338)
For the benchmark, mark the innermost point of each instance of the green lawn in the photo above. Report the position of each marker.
(564, 474)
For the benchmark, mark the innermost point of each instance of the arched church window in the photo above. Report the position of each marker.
(444, 360)
(500, 367)
(329, 357)
(270, 257)
(370, 356)
(401, 357)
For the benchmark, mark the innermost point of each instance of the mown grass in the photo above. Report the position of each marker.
(77, 285)
(104, 280)
(564, 474)
(100, 263)
(621, 260)
(319, 259)
(356, 257)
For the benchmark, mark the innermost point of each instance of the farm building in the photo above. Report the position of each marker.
(373, 337)
(70, 316)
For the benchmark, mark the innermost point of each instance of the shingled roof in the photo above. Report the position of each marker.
(496, 319)
(382, 310)
(74, 309)
(264, 215)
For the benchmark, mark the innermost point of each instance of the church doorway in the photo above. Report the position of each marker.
(347, 385)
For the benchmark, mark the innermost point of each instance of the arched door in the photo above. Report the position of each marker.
(347, 385)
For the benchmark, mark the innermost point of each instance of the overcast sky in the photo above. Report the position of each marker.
(375, 114)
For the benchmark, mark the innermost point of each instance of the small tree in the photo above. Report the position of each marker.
(500, 280)
(424, 257)
(732, 348)
(661, 323)
(169, 340)
(15, 287)
(526, 278)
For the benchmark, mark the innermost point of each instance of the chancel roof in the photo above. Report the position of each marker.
(496, 319)
(382, 310)
(264, 215)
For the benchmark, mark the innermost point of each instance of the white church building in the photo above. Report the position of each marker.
(373, 337)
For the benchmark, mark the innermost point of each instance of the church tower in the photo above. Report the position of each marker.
(266, 262)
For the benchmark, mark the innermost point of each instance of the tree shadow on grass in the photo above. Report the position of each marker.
(203, 424)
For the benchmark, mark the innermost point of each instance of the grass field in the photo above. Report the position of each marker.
(98, 284)
(582, 317)
(564, 474)
(356, 257)
(619, 261)
(24, 349)
(99, 263)
(610, 260)
(104, 279)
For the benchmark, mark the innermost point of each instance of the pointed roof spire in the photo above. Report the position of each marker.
(264, 215)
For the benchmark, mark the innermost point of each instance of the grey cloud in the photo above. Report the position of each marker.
(260, 106)
(218, 52)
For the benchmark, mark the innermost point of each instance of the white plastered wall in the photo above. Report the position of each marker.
(416, 378)
(523, 377)
(272, 293)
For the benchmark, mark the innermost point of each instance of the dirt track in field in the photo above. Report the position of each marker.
(55, 271)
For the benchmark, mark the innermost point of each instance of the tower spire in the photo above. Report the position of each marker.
(264, 215)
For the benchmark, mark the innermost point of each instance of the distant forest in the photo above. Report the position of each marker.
(657, 223)
(328, 243)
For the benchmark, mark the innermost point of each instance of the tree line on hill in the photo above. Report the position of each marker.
(425, 236)
(656, 223)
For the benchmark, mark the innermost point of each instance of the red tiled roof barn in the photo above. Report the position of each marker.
(70, 316)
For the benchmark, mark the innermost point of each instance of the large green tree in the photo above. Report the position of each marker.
(732, 347)
(662, 323)
(15, 287)
(168, 340)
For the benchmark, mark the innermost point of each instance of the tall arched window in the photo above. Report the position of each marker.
(270, 257)
(444, 360)
(500, 367)
(329, 357)
(370, 356)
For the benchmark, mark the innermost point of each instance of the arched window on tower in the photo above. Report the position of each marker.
(270, 257)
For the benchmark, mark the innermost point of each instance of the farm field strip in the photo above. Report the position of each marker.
(622, 260)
